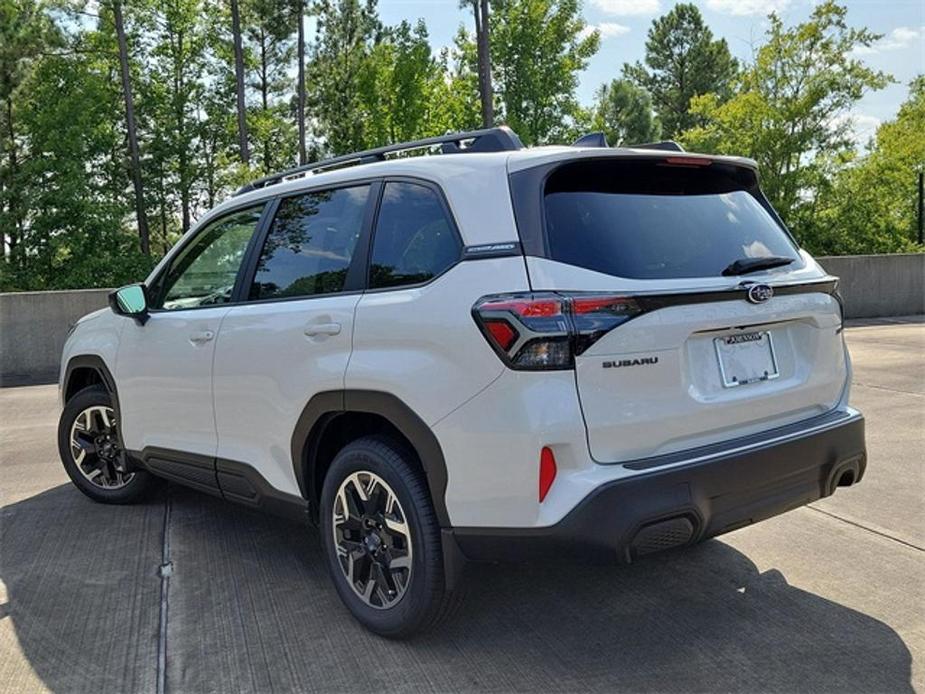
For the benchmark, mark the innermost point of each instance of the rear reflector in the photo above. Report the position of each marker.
(547, 471)
(502, 333)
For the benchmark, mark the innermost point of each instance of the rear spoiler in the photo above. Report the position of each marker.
(600, 140)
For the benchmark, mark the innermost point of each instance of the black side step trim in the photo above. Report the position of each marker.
(228, 479)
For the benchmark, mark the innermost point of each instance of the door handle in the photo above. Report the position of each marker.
(202, 337)
(316, 329)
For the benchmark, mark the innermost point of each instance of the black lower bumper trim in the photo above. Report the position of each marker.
(683, 504)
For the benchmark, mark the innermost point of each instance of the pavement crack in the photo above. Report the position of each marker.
(165, 571)
(864, 527)
(892, 390)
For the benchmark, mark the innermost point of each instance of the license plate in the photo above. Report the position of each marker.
(746, 358)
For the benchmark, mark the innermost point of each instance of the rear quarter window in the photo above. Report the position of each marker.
(651, 220)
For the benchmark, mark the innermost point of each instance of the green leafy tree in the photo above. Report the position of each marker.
(74, 178)
(347, 31)
(682, 61)
(788, 111)
(26, 32)
(623, 112)
(270, 54)
(176, 40)
(403, 87)
(538, 49)
(872, 204)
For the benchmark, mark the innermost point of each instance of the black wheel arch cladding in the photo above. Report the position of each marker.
(320, 411)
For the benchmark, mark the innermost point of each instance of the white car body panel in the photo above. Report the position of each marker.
(164, 378)
(267, 368)
(239, 395)
(96, 334)
(401, 338)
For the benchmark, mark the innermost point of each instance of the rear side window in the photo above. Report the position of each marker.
(310, 244)
(415, 240)
(654, 220)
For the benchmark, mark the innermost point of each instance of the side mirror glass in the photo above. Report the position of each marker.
(130, 301)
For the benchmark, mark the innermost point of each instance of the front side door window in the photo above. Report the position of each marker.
(205, 270)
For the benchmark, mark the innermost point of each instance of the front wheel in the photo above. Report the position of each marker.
(382, 539)
(91, 450)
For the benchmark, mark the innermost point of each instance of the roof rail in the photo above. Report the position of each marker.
(667, 145)
(500, 139)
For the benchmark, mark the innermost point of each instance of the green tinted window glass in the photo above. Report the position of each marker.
(204, 272)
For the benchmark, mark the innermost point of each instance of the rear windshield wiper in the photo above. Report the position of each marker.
(743, 266)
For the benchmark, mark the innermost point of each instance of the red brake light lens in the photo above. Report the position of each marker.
(541, 331)
(527, 308)
(502, 333)
(547, 471)
(687, 161)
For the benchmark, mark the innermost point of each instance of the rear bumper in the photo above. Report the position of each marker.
(683, 503)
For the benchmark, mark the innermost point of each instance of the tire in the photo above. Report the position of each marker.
(424, 600)
(126, 487)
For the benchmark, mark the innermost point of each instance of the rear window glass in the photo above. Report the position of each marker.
(649, 220)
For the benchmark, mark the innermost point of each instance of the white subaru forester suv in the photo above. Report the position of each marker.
(490, 353)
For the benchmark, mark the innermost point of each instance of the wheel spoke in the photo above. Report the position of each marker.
(399, 561)
(93, 434)
(84, 442)
(372, 539)
(397, 527)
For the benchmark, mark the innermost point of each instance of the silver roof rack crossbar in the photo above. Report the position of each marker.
(500, 139)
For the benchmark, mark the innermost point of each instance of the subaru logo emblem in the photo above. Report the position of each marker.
(759, 293)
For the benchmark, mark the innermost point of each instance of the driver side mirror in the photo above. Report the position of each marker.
(130, 301)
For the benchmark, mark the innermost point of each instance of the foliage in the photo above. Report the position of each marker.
(788, 112)
(623, 112)
(538, 47)
(347, 32)
(67, 207)
(872, 204)
(682, 61)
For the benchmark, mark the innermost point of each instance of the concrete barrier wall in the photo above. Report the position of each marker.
(875, 286)
(34, 325)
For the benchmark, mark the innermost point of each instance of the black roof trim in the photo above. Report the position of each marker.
(666, 145)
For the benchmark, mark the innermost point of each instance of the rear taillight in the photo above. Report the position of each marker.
(539, 331)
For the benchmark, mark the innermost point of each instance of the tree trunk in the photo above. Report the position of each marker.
(239, 81)
(484, 57)
(15, 232)
(265, 96)
(300, 109)
(135, 160)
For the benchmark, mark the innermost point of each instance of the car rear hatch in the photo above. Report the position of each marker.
(695, 318)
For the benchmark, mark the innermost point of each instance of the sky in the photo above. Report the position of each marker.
(623, 25)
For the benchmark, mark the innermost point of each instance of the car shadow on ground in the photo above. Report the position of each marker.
(250, 608)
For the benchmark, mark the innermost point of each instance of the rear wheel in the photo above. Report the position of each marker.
(91, 450)
(382, 539)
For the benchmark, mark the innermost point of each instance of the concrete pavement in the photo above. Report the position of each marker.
(826, 598)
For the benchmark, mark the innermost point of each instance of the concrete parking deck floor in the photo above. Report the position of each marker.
(826, 598)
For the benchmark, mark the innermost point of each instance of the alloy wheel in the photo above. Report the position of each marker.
(96, 450)
(372, 539)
